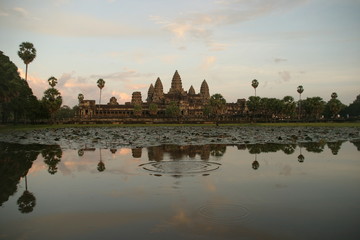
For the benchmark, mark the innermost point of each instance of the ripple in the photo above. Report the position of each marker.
(224, 213)
(180, 167)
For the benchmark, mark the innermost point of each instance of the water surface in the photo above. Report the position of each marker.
(268, 191)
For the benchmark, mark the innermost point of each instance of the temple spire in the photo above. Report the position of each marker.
(158, 91)
(192, 90)
(150, 93)
(176, 84)
(204, 90)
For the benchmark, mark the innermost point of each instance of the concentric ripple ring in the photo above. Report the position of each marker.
(180, 167)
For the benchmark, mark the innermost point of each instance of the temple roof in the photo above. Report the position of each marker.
(176, 84)
(158, 85)
(192, 90)
(204, 89)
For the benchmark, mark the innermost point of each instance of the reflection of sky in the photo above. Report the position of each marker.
(283, 199)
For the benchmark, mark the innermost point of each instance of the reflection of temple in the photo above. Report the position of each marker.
(177, 152)
(189, 103)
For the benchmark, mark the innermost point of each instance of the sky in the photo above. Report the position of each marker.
(281, 43)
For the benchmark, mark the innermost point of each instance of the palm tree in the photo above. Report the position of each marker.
(217, 105)
(52, 81)
(80, 97)
(27, 53)
(255, 84)
(100, 84)
(334, 95)
(300, 90)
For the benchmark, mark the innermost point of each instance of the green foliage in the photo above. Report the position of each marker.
(289, 106)
(217, 104)
(65, 112)
(52, 100)
(253, 104)
(153, 109)
(27, 52)
(52, 81)
(353, 109)
(313, 107)
(137, 110)
(17, 102)
(172, 110)
(333, 108)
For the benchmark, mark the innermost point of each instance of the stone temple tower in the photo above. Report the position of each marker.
(176, 84)
(136, 98)
(150, 93)
(204, 91)
(158, 91)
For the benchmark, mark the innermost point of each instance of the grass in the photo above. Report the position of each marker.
(5, 128)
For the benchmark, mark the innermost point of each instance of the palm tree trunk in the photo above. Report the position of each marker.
(26, 72)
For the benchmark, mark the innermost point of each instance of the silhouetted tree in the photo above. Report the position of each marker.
(27, 53)
(254, 84)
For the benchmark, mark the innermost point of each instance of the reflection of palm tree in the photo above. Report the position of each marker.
(52, 156)
(101, 164)
(255, 164)
(26, 201)
(301, 157)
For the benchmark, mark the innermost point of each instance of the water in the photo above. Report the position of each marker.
(181, 192)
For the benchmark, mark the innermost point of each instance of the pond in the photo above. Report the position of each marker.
(266, 191)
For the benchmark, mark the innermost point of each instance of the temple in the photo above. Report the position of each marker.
(190, 106)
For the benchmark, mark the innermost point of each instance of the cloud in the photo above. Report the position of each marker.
(136, 86)
(21, 12)
(121, 96)
(285, 76)
(202, 24)
(69, 24)
(208, 62)
(278, 60)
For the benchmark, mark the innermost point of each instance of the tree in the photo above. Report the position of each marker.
(217, 103)
(100, 84)
(52, 98)
(333, 106)
(300, 90)
(52, 81)
(289, 106)
(65, 112)
(255, 84)
(253, 104)
(137, 110)
(313, 107)
(153, 109)
(354, 108)
(172, 110)
(80, 97)
(334, 95)
(27, 53)
(17, 101)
